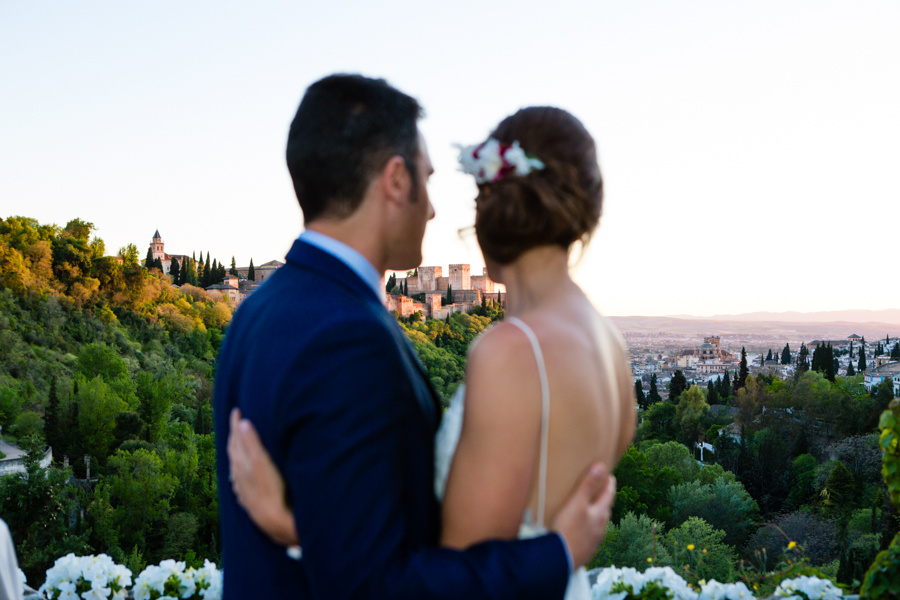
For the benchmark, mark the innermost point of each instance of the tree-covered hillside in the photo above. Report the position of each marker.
(104, 360)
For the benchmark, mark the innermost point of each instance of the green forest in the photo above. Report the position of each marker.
(103, 359)
(794, 478)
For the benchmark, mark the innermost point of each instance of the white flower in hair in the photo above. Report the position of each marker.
(492, 161)
(523, 164)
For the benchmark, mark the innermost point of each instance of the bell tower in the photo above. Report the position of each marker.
(157, 246)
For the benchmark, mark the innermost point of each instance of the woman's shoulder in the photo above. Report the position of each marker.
(501, 342)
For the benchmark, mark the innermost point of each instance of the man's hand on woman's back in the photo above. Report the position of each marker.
(583, 518)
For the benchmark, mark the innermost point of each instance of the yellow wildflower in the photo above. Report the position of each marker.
(704, 551)
(690, 546)
(649, 560)
(792, 545)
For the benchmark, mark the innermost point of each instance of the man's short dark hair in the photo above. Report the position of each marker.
(346, 129)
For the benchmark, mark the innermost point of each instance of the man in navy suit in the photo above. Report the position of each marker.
(339, 397)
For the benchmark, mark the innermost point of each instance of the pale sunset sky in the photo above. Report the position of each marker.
(750, 150)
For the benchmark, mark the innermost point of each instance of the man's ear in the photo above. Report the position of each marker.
(395, 181)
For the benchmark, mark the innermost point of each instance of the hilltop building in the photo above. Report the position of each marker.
(234, 287)
(157, 246)
(261, 272)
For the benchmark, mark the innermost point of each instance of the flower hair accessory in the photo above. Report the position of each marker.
(492, 161)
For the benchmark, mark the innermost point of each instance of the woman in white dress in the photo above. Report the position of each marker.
(548, 391)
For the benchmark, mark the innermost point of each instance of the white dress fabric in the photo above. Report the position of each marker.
(10, 583)
(448, 437)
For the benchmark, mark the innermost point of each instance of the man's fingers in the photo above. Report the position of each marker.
(250, 441)
(595, 482)
(600, 511)
(231, 446)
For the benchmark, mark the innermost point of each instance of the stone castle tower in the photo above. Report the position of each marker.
(460, 277)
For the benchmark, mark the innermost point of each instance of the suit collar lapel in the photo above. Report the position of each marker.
(307, 256)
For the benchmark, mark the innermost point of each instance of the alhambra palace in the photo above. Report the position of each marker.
(428, 292)
(467, 291)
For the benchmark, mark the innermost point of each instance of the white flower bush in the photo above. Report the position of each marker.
(630, 584)
(86, 578)
(170, 580)
(713, 590)
(619, 584)
(808, 588)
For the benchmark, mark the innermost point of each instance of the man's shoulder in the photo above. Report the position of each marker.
(292, 316)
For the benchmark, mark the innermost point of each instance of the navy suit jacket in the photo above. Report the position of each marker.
(348, 414)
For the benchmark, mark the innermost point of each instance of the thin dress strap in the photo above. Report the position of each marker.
(545, 415)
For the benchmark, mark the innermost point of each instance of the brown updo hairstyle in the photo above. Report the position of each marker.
(557, 205)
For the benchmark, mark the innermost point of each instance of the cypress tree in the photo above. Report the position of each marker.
(802, 362)
(51, 421)
(639, 394)
(831, 366)
(851, 372)
(736, 383)
(895, 352)
(861, 366)
(148, 262)
(786, 355)
(251, 272)
(726, 390)
(712, 395)
(192, 274)
(769, 355)
(449, 294)
(745, 371)
(654, 396)
(174, 271)
(233, 270)
(207, 272)
(677, 385)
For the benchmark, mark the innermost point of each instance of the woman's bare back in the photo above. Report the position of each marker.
(592, 414)
(494, 477)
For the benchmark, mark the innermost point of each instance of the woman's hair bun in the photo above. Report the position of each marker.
(557, 205)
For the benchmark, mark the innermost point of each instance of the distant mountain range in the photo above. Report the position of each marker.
(890, 315)
(834, 325)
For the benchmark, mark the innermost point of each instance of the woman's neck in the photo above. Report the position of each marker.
(535, 278)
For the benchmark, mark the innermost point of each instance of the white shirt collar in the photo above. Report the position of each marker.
(357, 263)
